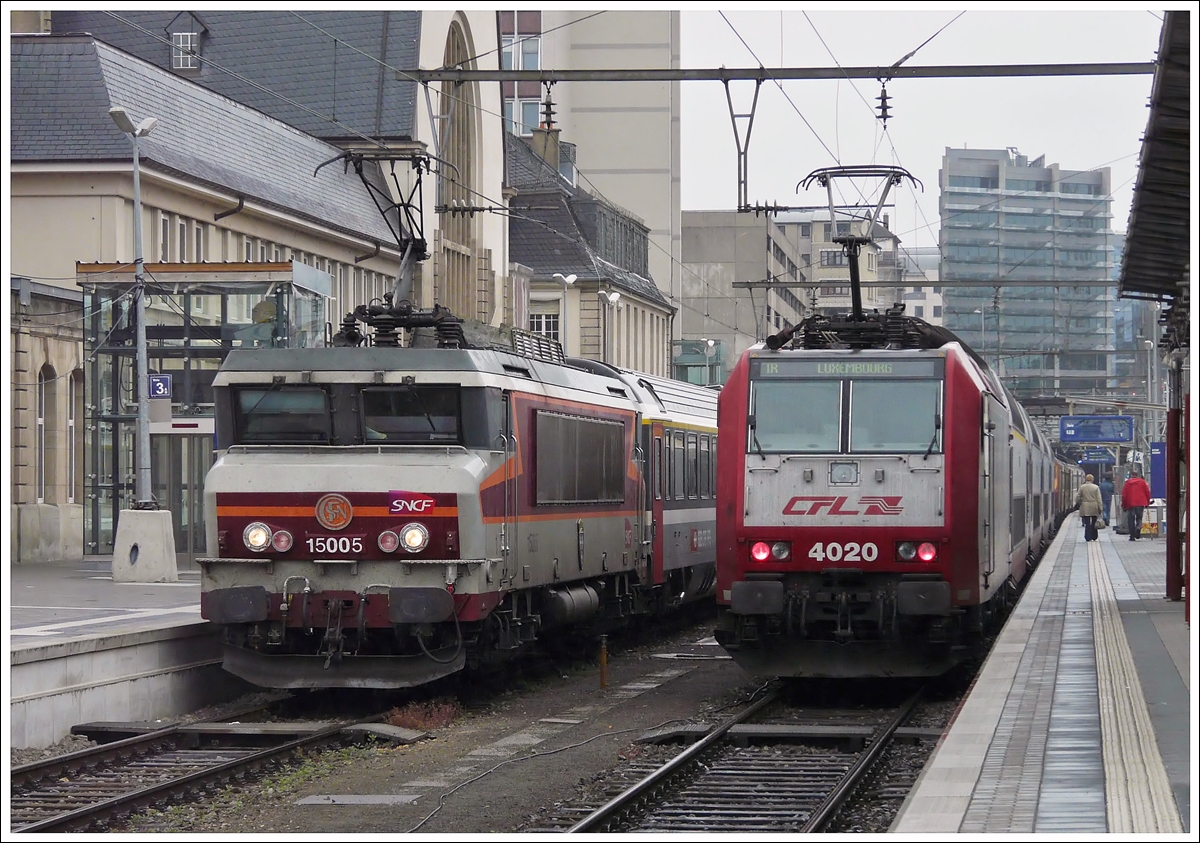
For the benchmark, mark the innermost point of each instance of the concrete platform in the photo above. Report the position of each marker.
(1081, 720)
(83, 648)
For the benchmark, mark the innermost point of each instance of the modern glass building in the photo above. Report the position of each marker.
(1031, 246)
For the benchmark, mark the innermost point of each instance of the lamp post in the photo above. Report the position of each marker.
(709, 346)
(612, 301)
(1152, 415)
(567, 281)
(144, 544)
(125, 124)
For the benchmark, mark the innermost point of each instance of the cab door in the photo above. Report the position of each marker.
(650, 566)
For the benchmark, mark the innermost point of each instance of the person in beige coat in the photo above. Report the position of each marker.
(1090, 503)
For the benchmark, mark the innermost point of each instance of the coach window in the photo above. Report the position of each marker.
(705, 470)
(281, 416)
(897, 415)
(713, 466)
(412, 415)
(679, 471)
(693, 465)
(658, 468)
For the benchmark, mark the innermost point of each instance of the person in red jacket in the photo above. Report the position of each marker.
(1135, 497)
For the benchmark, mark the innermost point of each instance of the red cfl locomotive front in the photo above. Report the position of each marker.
(857, 511)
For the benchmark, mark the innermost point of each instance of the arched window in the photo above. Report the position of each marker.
(74, 437)
(46, 415)
(458, 286)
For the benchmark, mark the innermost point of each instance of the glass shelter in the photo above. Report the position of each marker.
(195, 314)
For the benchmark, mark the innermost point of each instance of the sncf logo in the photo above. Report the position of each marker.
(837, 505)
(411, 502)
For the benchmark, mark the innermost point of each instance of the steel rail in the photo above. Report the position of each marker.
(624, 800)
(825, 811)
(143, 797)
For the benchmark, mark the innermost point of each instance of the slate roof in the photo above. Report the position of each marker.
(286, 54)
(62, 88)
(544, 232)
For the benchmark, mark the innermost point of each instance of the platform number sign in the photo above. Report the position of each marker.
(160, 386)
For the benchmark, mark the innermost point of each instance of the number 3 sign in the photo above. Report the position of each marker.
(160, 386)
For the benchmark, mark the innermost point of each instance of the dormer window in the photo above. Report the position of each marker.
(185, 48)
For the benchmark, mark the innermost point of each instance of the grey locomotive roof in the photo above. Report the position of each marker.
(545, 232)
(324, 60)
(62, 88)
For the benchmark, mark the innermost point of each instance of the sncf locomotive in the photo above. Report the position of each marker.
(385, 516)
(881, 499)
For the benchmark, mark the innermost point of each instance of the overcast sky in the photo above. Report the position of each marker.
(1080, 123)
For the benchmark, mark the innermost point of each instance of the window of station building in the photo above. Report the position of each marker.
(544, 322)
(919, 310)
(937, 311)
(806, 229)
(834, 257)
(1077, 187)
(45, 384)
(521, 117)
(184, 50)
(248, 249)
(164, 239)
(198, 236)
(183, 227)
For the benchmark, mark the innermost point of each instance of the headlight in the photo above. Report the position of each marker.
(781, 550)
(907, 551)
(388, 541)
(257, 536)
(414, 537)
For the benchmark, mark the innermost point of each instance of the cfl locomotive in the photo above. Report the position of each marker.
(385, 516)
(882, 497)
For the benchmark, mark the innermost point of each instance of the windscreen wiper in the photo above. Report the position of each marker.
(937, 425)
(754, 438)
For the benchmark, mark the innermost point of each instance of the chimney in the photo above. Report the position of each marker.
(885, 222)
(545, 144)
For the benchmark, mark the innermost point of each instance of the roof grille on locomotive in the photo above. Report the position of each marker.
(449, 331)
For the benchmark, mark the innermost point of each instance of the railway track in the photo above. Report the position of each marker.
(92, 788)
(753, 773)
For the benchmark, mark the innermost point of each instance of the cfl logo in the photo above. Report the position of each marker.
(837, 505)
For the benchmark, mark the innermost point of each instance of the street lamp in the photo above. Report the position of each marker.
(144, 544)
(567, 281)
(125, 124)
(709, 347)
(1151, 390)
(982, 337)
(612, 300)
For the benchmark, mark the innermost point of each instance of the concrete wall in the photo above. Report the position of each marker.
(147, 675)
(46, 533)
